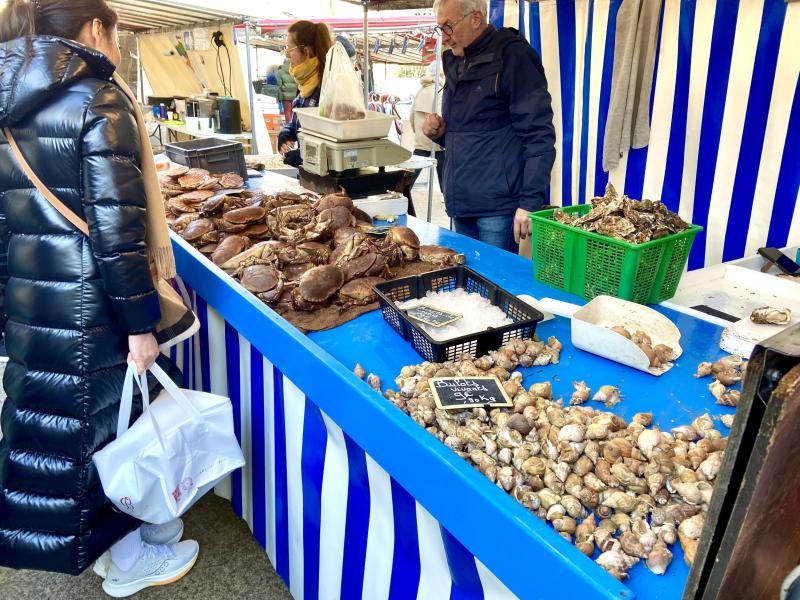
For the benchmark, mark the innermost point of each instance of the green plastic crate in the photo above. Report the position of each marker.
(588, 264)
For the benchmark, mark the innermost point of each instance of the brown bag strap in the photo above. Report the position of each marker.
(43, 189)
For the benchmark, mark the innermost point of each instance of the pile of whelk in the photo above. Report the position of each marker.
(623, 492)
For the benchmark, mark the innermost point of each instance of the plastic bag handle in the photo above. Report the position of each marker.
(126, 400)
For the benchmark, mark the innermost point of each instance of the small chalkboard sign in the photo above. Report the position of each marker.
(432, 316)
(468, 392)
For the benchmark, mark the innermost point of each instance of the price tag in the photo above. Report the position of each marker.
(432, 316)
(468, 392)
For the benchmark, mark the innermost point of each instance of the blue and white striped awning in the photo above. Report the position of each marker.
(725, 114)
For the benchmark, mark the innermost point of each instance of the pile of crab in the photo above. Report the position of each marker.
(293, 251)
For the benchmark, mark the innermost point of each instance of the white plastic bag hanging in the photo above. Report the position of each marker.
(342, 96)
(180, 448)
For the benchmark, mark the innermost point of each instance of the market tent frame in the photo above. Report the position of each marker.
(142, 16)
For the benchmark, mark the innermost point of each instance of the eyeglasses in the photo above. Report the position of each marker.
(447, 28)
(287, 49)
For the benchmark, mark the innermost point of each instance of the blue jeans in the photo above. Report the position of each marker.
(496, 231)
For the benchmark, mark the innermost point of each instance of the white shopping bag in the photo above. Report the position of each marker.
(342, 96)
(181, 447)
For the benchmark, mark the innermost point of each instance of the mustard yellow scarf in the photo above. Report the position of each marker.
(307, 76)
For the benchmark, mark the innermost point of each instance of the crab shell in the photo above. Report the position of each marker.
(439, 255)
(370, 264)
(256, 251)
(178, 206)
(193, 178)
(175, 170)
(197, 229)
(320, 283)
(257, 231)
(229, 247)
(406, 239)
(332, 200)
(182, 222)
(295, 271)
(245, 216)
(231, 180)
(259, 279)
(319, 253)
(344, 235)
(361, 289)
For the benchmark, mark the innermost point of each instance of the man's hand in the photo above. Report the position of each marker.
(286, 147)
(433, 126)
(522, 225)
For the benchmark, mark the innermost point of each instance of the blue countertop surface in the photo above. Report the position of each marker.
(675, 398)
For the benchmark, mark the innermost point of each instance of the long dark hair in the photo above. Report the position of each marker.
(60, 18)
(315, 37)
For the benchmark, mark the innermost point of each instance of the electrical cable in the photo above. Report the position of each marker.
(230, 72)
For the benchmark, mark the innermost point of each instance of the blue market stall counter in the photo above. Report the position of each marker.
(351, 498)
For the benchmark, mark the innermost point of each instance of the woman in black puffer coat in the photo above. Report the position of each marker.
(77, 307)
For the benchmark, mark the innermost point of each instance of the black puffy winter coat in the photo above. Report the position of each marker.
(70, 301)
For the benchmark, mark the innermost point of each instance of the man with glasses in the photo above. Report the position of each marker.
(496, 126)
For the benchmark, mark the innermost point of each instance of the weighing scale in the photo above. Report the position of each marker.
(349, 154)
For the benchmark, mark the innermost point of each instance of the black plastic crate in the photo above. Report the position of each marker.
(477, 344)
(212, 154)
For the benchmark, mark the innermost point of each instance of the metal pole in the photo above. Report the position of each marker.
(253, 142)
(432, 168)
(140, 79)
(365, 65)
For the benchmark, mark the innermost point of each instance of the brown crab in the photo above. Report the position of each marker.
(257, 252)
(316, 286)
(180, 223)
(231, 180)
(358, 292)
(200, 231)
(238, 219)
(318, 252)
(371, 264)
(175, 170)
(229, 247)
(406, 240)
(344, 234)
(177, 206)
(295, 271)
(193, 178)
(331, 200)
(441, 256)
(328, 221)
(263, 280)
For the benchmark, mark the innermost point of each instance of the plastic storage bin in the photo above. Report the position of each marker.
(211, 154)
(588, 264)
(525, 317)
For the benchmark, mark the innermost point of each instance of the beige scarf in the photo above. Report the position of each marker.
(159, 248)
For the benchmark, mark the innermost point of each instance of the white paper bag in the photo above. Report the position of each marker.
(181, 447)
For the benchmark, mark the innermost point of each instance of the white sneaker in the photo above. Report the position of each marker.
(157, 535)
(156, 565)
(168, 533)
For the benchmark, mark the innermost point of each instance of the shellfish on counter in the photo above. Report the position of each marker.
(768, 315)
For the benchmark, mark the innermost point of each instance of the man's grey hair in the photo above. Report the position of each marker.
(465, 7)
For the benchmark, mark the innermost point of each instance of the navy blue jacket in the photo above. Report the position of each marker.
(499, 141)
(289, 131)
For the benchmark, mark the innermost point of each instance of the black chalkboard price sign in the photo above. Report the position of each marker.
(468, 392)
(432, 316)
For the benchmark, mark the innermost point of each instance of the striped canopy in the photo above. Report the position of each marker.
(725, 113)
